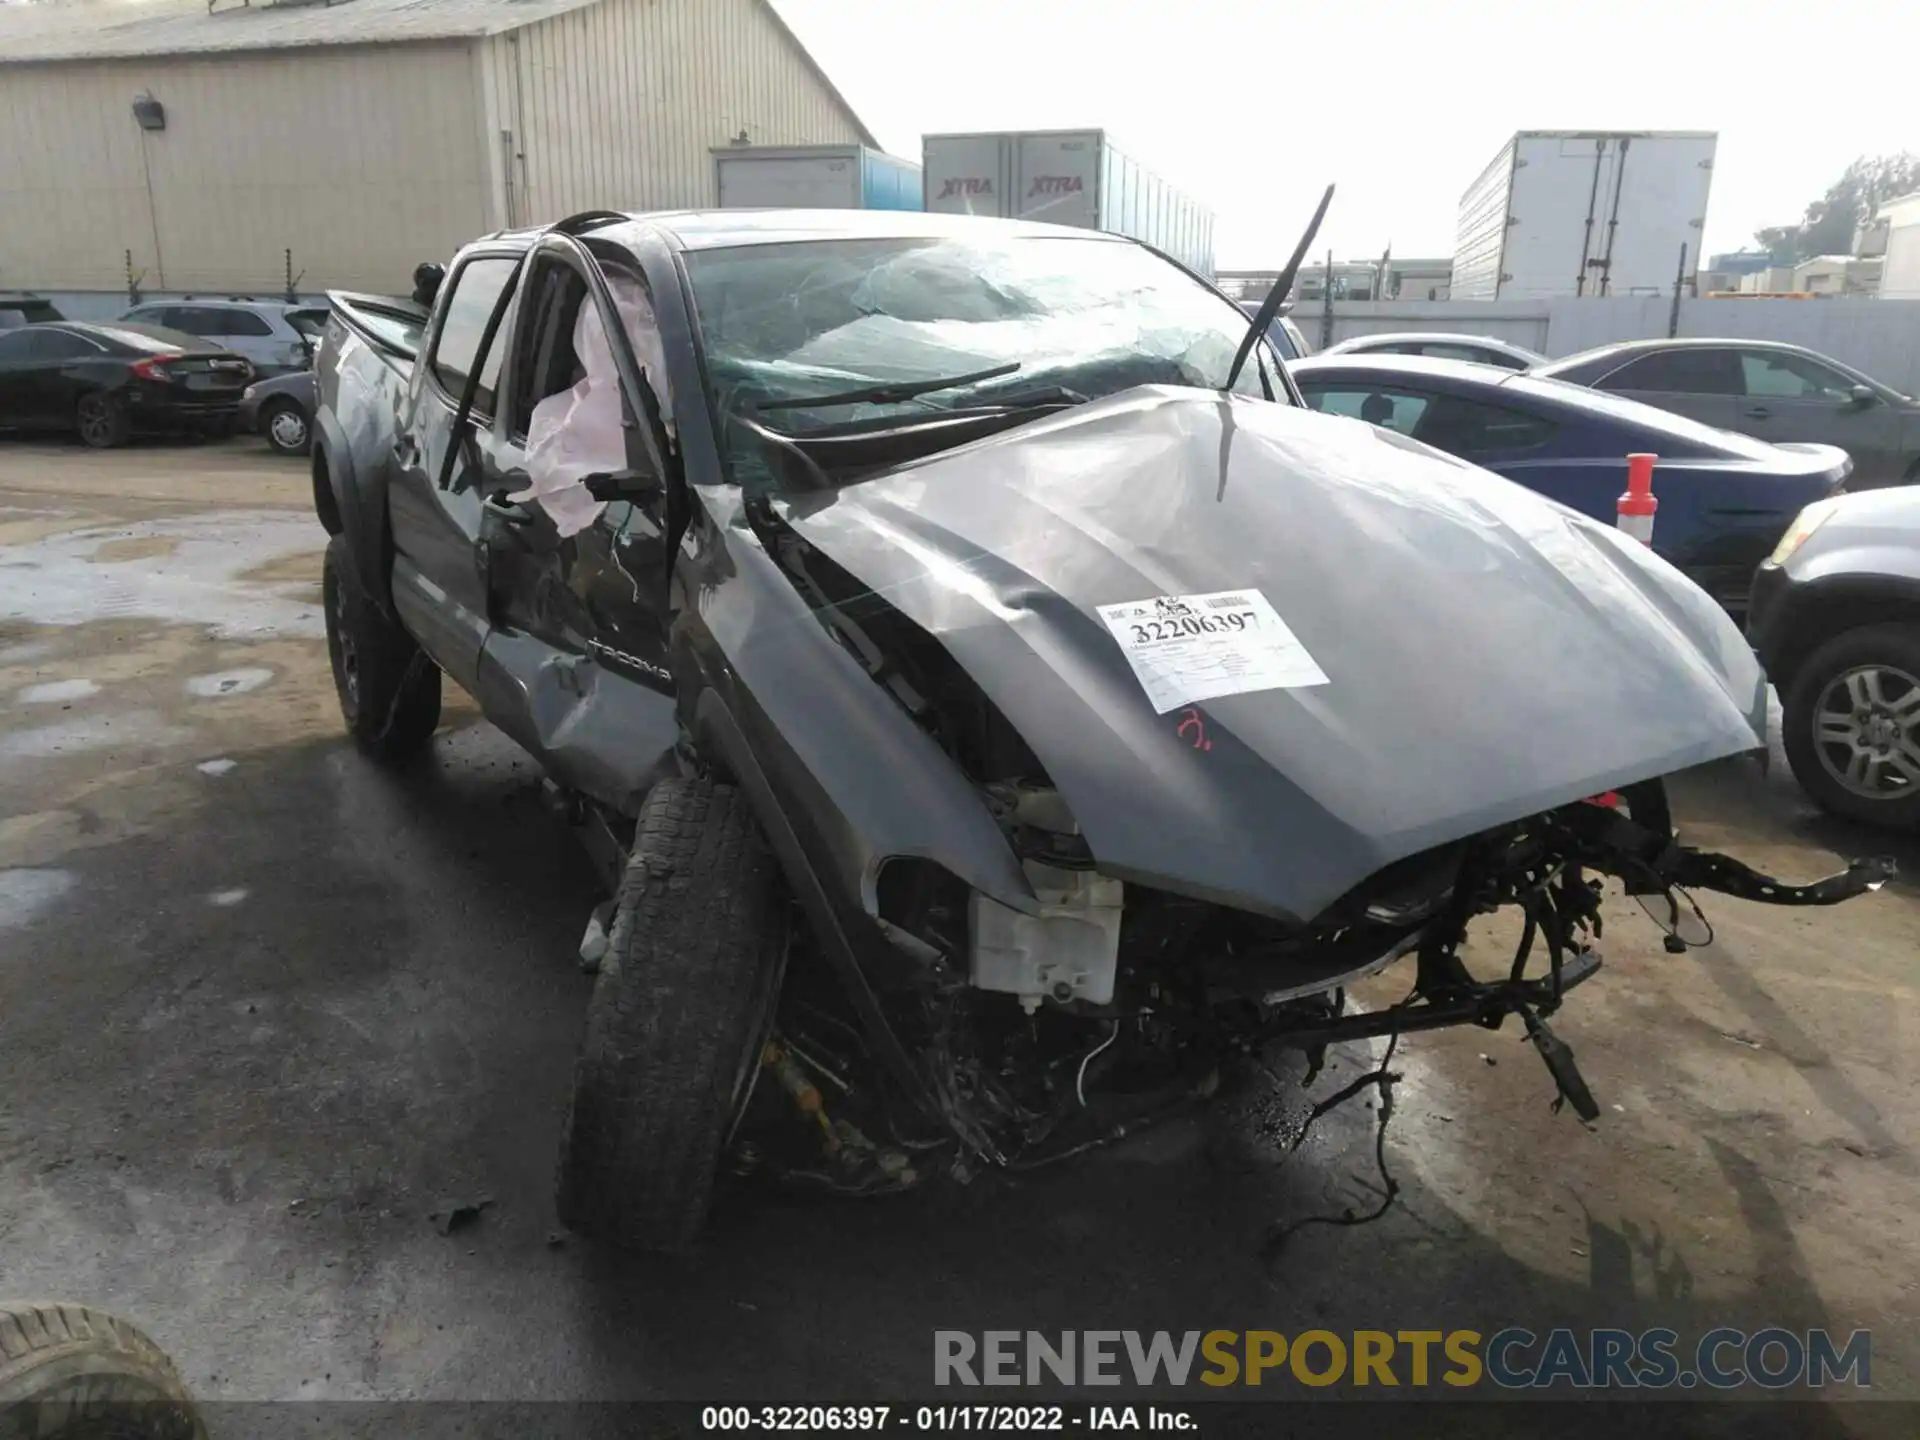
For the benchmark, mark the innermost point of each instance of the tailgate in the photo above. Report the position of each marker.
(392, 325)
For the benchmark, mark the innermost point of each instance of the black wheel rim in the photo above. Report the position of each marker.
(96, 420)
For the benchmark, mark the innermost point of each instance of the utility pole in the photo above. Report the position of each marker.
(1326, 310)
(1679, 280)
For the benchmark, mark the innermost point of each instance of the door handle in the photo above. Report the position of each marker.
(507, 511)
(1757, 412)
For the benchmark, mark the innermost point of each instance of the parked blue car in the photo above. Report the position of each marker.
(1725, 499)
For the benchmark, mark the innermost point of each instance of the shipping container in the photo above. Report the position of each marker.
(1584, 212)
(1065, 177)
(813, 177)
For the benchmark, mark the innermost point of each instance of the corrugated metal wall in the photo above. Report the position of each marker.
(616, 105)
(362, 160)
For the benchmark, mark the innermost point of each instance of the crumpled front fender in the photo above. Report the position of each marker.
(857, 781)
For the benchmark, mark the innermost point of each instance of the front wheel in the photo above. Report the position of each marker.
(1852, 717)
(389, 690)
(284, 424)
(679, 1016)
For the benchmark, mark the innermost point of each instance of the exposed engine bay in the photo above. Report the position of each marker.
(1041, 1032)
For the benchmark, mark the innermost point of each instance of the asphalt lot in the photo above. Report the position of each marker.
(264, 1008)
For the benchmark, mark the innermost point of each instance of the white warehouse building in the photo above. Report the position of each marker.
(196, 146)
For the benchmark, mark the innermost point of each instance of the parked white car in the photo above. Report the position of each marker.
(1480, 349)
(275, 336)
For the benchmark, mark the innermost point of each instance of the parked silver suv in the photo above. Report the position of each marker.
(275, 336)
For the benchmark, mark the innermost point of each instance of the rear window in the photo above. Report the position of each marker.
(476, 288)
(64, 345)
(238, 322)
(1686, 371)
(153, 339)
(310, 323)
(13, 316)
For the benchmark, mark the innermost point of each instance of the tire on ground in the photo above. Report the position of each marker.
(276, 408)
(1893, 645)
(102, 420)
(389, 689)
(679, 1013)
(87, 1376)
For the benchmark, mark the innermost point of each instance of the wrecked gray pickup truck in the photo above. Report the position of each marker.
(997, 712)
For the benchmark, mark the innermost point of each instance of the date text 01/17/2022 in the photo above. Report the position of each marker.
(939, 1419)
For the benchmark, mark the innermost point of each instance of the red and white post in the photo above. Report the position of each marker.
(1637, 506)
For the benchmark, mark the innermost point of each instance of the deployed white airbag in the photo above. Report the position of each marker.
(577, 432)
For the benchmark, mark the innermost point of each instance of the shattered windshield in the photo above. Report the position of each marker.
(1084, 316)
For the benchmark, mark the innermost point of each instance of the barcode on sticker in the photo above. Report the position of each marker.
(1226, 602)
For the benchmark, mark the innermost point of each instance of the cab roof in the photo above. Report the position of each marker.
(718, 229)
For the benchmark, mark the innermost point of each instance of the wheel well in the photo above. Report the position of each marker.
(324, 504)
(1819, 620)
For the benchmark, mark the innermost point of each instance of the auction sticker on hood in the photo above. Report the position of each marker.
(1186, 648)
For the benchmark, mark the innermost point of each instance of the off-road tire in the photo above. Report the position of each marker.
(71, 1373)
(389, 690)
(678, 1018)
(101, 418)
(1893, 645)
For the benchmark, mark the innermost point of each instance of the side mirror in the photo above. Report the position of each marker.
(621, 485)
(1861, 396)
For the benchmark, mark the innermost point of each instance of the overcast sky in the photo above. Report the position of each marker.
(1253, 106)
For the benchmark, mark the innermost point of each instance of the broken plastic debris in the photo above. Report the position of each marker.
(593, 944)
(458, 1214)
(228, 682)
(215, 767)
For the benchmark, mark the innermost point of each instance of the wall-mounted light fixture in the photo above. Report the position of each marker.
(149, 113)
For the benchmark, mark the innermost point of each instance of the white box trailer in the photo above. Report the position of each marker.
(813, 177)
(1584, 212)
(1065, 177)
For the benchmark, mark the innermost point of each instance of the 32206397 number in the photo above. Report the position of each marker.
(805, 1418)
(1145, 631)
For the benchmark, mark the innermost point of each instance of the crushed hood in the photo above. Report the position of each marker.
(1486, 653)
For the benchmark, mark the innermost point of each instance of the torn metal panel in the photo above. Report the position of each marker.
(1487, 656)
